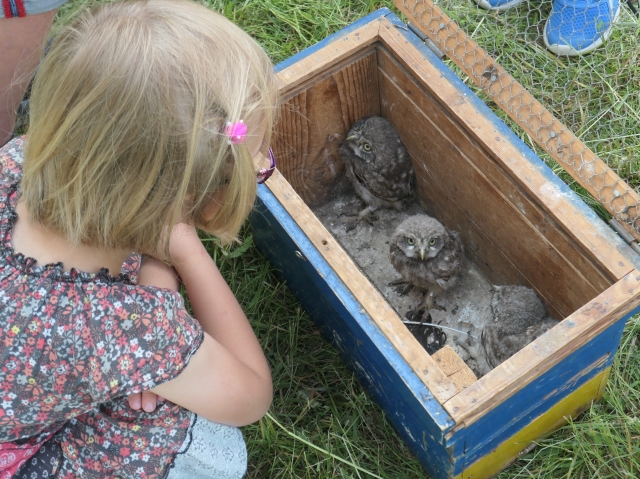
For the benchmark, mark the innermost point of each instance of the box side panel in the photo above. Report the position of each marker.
(535, 399)
(409, 405)
(507, 234)
(537, 121)
(481, 194)
(509, 450)
(313, 122)
(466, 98)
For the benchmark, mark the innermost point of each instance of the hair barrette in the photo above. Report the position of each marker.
(237, 132)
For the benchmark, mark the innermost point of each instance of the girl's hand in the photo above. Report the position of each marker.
(145, 400)
(184, 243)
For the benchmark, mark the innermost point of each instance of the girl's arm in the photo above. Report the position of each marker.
(228, 379)
(153, 272)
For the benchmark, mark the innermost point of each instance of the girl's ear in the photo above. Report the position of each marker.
(210, 210)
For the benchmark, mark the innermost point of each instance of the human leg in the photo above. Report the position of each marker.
(21, 44)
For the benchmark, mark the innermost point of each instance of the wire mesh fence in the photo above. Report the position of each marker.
(505, 51)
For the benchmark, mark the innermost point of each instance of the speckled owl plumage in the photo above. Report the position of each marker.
(518, 317)
(378, 165)
(426, 254)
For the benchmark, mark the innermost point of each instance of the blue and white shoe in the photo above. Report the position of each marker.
(497, 4)
(576, 27)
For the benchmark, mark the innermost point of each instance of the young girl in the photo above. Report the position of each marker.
(146, 120)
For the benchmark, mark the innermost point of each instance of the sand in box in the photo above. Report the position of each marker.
(466, 306)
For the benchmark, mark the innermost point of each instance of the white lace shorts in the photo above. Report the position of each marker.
(211, 451)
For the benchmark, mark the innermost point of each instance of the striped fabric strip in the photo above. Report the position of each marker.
(20, 7)
(13, 8)
(6, 7)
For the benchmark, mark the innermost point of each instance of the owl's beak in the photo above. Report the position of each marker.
(352, 137)
(422, 253)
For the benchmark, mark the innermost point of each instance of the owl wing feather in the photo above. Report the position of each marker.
(500, 346)
(447, 263)
(385, 181)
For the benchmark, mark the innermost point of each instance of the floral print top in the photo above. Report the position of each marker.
(73, 345)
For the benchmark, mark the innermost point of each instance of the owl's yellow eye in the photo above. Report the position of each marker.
(366, 147)
(411, 241)
(359, 126)
(433, 241)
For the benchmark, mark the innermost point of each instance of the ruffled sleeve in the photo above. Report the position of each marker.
(11, 158)
(141, 337)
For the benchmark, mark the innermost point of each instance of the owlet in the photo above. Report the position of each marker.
(518, 317)
(426, 255)
(378, 165)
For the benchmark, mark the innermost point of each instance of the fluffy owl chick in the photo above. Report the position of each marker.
(377, 164)
(426, 255)
(518, 317)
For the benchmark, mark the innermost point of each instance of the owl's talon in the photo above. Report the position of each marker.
(400, 286)
(371, 218)
(350, 226)
(417, 315)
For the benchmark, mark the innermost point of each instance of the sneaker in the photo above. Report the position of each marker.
(497, 4)
(575, 27)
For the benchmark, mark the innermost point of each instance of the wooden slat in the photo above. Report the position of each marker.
(585, 269)
(448, 360)
(372, 302)
(508, 156)
(547, 131)
(454, 367)
(546, 351)
(325, 61)
(440, 161)
(313, 123)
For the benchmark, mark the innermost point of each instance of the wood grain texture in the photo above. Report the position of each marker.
(372, 302)
(395, 76)
(548, 350)
(448, 360)
(508, 451)
(484, 435)
(506, 154)
(547, 131)
(327, 60)
(439, 160)
(313, 123)
(463, 378)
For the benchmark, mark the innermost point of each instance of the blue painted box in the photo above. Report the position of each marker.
(519, 223)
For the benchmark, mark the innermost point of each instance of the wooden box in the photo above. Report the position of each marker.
(519, 224)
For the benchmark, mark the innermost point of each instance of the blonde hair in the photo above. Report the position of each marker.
(127, 124)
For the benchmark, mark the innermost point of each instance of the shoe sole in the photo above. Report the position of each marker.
(487, 6)
(569, 51)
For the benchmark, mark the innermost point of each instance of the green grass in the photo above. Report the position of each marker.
(321, 423)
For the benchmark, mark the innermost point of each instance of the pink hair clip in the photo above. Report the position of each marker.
(237, 132)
